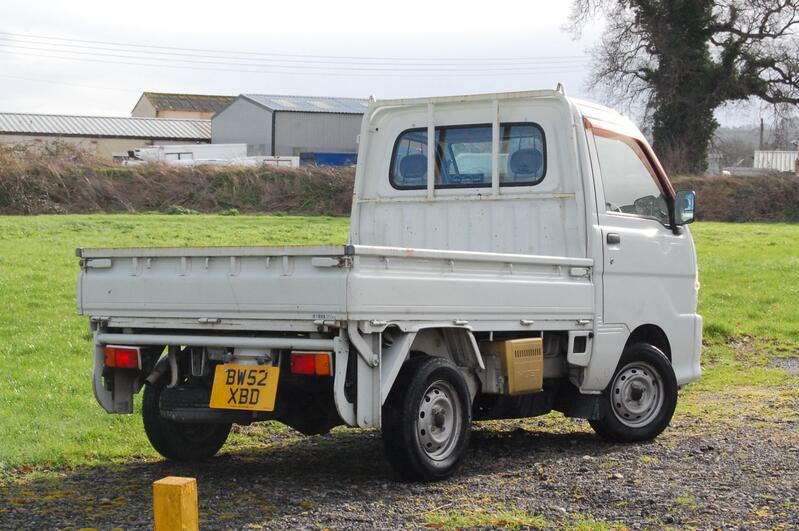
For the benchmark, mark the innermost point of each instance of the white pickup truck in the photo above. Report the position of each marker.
(509, 255)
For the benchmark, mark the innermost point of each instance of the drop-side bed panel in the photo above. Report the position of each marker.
(396, 284)
(291, 283)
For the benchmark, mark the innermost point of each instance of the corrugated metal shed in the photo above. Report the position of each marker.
(309, 103)
(164, 101)
(776, 160)
(104, 126)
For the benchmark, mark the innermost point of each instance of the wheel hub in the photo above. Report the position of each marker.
(636, 393)
(439, 417)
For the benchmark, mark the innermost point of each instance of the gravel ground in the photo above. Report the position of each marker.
(729, 472)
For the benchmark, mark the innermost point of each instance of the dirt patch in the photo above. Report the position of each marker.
(553, 470)
(788, 364)
(775, 354)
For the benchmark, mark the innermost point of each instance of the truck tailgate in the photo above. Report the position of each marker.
(212, 284)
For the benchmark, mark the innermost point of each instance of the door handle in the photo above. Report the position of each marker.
(613, 238)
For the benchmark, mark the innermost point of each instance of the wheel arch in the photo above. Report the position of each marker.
(650, 334)
(608, 351)
(457, 344)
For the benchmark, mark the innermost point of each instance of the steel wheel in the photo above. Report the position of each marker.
(427, 419)
(637, 394)
(639, 402)
(438, 422)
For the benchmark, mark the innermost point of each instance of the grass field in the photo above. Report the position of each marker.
(749, 297)
(46, 403)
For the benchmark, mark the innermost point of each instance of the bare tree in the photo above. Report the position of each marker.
(682, 59)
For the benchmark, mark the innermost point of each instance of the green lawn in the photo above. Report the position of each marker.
(750, 294)
(750, 279)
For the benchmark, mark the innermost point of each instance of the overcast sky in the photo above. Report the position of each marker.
(412, 48)
(67, 57)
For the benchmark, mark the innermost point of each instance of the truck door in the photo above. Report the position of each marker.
(648, 270)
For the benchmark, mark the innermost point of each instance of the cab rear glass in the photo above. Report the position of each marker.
(463, 156)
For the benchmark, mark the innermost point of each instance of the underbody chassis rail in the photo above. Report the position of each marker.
(216, 341)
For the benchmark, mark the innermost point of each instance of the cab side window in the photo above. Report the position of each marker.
(630, 185)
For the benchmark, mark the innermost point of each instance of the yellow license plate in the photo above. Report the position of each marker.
(251, 387)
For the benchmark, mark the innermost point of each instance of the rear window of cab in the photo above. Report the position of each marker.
(463, 156)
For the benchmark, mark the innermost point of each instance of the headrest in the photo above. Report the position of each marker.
(526, 162)
(413, 167)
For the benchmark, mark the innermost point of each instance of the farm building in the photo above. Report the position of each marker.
(779, 161)
(105, 136)
(291, 125)
(187, 106)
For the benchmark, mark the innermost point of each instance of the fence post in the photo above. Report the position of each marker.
(175, 504)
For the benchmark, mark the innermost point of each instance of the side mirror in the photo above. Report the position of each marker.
(684, 207)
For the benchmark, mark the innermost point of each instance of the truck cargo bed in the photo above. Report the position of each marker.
(261, 288)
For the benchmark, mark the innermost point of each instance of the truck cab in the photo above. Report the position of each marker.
(509, 255)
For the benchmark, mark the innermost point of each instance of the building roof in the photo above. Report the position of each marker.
(275, 102)
(104, 126)
(163, 101)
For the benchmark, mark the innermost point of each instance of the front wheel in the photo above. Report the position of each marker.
(179, 441)
(427, 419)
(640, 400)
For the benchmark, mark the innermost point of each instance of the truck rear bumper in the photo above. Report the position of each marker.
(116, 396)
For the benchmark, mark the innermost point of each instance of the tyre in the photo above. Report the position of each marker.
(639, 402)
(427, 420)
(176, 440)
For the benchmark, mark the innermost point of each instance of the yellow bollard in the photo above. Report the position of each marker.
(175, 504)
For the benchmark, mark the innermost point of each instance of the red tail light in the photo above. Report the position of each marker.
(313, 363)
(122, 357)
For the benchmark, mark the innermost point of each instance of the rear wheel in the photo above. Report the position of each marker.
(177, 440)
(640, 400)
(427, 420)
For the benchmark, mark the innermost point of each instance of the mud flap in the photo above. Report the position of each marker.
(104, 396)
(119, 397)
